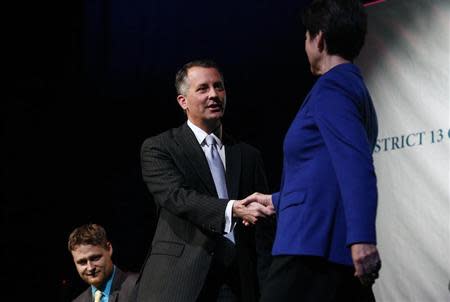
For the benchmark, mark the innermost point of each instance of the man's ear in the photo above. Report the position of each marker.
(182, 101)
(321, 45)
(110, 249)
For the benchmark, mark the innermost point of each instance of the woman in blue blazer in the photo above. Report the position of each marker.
(325, 245)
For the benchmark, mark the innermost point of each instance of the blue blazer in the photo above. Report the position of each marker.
(328, 194)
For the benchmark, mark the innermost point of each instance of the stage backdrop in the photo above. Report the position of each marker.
(406, 64)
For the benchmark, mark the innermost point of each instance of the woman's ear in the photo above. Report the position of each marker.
(321, 44)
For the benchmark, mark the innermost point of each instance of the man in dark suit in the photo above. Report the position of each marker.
(92, 253)
(198, 175)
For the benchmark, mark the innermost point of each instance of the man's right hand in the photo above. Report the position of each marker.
(253, 207)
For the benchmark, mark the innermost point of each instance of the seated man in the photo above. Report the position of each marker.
(92, 253)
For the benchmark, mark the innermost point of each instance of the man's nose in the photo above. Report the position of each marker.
(90, 266)
(213, 93)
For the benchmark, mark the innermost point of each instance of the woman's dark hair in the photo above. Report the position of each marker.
(342, 22)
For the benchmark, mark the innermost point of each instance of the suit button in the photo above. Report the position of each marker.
(212, 228)
(211, 253)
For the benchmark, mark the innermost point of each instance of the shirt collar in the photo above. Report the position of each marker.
(107, 289)
(200, 134)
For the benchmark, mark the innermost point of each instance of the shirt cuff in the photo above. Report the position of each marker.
(229, 224)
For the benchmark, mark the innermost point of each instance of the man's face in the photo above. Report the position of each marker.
(205, 97)
(93, 263)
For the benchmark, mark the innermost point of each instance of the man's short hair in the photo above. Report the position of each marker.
(181, 84)
(92, 234)
(343, 23)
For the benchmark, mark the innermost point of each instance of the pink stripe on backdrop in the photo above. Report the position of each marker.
(373, 2)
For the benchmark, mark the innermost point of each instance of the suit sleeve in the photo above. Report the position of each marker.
(172, 191)
(340, 124)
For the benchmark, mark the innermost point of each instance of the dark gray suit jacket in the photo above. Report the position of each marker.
(122, 288)
(191, 216)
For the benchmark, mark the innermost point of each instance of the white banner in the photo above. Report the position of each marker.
(406, 65)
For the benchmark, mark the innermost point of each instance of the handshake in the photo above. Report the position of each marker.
(253, 207)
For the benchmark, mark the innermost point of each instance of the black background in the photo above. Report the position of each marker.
(87, 82)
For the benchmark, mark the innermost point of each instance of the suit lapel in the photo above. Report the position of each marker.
(113, 296)
(119, 277)
(195, 157)
(233, 163)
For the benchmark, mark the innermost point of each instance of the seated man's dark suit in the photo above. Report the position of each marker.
(122, 288)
